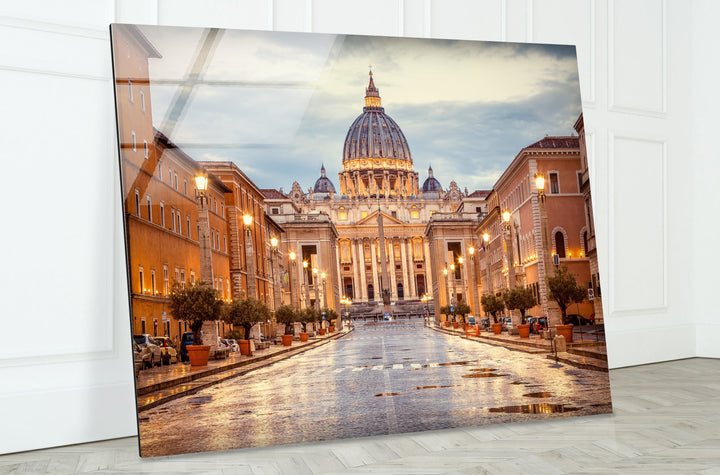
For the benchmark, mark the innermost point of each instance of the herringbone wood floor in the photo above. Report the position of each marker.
(666, 420)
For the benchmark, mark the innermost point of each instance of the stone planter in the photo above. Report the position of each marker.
(244, 347)
(524, 331)
(287, 340)
(447, 324)
(322, 331)
(455, 324)
(331, 329)
(198, 354)
(303, 336)
(497, 328)
(566, 331)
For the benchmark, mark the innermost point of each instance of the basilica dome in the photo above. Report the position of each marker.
(323, 184)
(431, 185)
(374, 134)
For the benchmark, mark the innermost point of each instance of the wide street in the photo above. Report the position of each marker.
(380, 379)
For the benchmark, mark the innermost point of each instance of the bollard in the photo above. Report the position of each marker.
(559, 344)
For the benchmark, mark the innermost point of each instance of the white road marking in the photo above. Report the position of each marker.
(415, 365)
(397, 366)
(378, 367)
(358, 369)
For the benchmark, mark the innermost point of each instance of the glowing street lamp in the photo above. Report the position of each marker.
(307, 288)
(324, 282)
(273, 261)
(206, 269)
(473, 284)
(293, 270)
(317, 288)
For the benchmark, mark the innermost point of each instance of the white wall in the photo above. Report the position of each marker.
(647, 84)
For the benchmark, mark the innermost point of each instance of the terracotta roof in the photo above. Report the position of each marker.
(273, 194)
(556, 142)
(479, 194)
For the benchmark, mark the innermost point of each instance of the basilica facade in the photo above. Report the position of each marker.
(377, 178)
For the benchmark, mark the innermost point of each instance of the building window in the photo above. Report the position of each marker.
(137, 202)
(371, 292)
(141, 279)
(142, 100)
(414, 214)
(393, 214)
(222, 209)
(212, 238)
(187, 223)
(162, 214)
(274, 211)
(153, 290)
(149, 208)
(560, 244)
(579, 178)
(225, 242)
(342, 216)
(132, 98)
(159, 170)
(192, 277)
(142, 327)
(176, 182)
(363, 214)
(182, 277)
(179, 222)
(172, 216)
(554, 183)
(217, 240)
(366, 252)
(166, 280)
(146, 149)
(227, 284)
(134, 141)
(185, 185)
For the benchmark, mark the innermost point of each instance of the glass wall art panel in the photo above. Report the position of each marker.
(336, 236)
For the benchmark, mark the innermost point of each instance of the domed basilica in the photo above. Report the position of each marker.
(377, 177)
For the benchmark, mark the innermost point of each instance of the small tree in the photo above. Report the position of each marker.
(463, 309)
(519, 298)
(195, 303)
(492, 305)
(287, 315)
(246, 313)
(564, 290)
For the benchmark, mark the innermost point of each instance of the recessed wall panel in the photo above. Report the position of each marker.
(253, 14)
(481, 20)
(636, 56)
(638, 251)
(372, 17)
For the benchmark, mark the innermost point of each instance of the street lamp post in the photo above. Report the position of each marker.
(476, 303)
(486, 240)
(506, 216)
(249, 257)
(317, 288)
(206, 267)
(453, 282)
(463, 290)
(324, 282)
(273, 264)
(545, 261)
(293, 290)
(307, 288)
(447, 290)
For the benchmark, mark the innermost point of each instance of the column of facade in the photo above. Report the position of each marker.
(403, 266)
(410, 262)
(373, 261)
(363, 276)
(338, 276)
(391, 268)
(428, 270)
(356, 271)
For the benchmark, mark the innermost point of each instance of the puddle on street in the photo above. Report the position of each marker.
(541, 408)
(387, 394)
(517, 382)
(540, 394)
(200, 399)
(483, 375)
(484, 370)
(461, 363)
(376, 358)
(434, 387)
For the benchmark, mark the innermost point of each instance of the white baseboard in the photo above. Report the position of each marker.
(75, 416)
(644, 346)
(708, 340)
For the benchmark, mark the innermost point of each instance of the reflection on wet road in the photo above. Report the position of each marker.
(380, 379)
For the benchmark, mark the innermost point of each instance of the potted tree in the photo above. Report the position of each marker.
(565, 291)
(493, 305)
(445, 310)
(463, 309)
(245, 314)
(331, 316)
(520, 298)
(287, 315)
(196, 303)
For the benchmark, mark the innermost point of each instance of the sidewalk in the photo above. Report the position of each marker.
(586, 354)
(157, 386)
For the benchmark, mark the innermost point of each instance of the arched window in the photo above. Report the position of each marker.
(560, 244)
(400, 291)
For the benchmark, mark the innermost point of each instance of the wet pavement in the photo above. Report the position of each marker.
(379, 379)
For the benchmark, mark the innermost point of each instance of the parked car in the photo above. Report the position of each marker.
(141, 356)
(485, 322)
(540, 324)
(506, 323)
(169, 353)
(223, 343)
(234, 347)
(147, 341)
(576, 319)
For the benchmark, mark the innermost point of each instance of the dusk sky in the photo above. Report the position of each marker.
(280, 104)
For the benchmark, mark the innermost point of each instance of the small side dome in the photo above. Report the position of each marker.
(431, 185)
(323, 184)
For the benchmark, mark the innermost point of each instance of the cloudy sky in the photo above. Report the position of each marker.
(280, 104)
